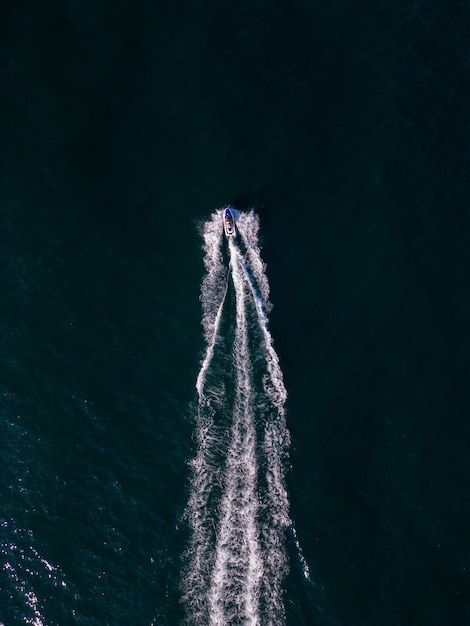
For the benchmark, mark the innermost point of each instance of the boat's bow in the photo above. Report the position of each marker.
(229, 223)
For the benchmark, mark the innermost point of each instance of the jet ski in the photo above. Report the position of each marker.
(229, 223)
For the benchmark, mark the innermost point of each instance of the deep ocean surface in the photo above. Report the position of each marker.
(123, 126)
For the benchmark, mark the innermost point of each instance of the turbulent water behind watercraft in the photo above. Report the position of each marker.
(238, 508)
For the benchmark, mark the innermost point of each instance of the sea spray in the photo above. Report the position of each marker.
(238, 507)
(234, 589)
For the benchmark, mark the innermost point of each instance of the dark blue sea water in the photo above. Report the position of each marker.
(123, 127)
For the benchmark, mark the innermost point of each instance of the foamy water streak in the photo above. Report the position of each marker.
(205, 469)
(238, 508)
(276, 442)
(213, 291)
(238, 566)
(248, 227)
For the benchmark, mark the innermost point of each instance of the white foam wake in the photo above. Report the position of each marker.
(238, 568)
(238, 508)
(248, 227)
(213, 291)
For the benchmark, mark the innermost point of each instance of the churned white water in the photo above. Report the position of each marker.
(238, 508)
